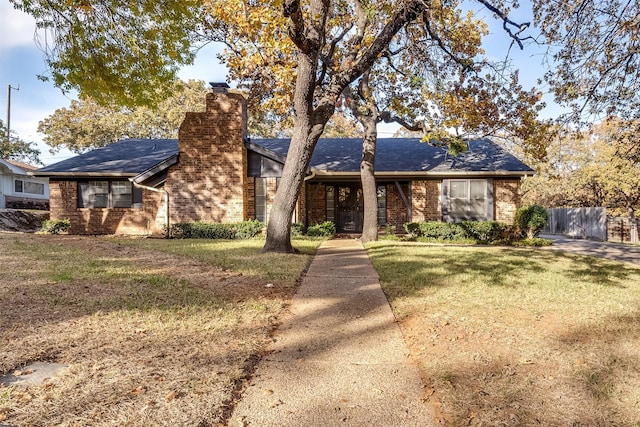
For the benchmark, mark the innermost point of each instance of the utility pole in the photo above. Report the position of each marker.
(9, 87)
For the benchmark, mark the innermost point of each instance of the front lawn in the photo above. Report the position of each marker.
(507, 336)
(152, 332)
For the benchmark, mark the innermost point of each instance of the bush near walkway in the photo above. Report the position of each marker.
(481, 232)
(507, 336)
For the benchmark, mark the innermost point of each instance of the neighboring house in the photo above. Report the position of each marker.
(19, 190)
(214, 173)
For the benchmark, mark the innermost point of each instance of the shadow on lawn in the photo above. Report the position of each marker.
(70, 277)
(432, 267)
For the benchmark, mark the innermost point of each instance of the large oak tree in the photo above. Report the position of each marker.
(124, 46)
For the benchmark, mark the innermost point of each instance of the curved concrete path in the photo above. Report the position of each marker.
(340, 358)
(608, 250)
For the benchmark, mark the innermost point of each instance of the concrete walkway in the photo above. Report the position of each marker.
(339, 359)
(613, 251)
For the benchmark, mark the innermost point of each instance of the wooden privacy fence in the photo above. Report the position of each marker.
(591, 223)
(622, 230)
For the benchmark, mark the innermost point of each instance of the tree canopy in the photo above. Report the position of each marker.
(114, 51)
(86, 124)
(599, 167)
(297, 58)
(14, 148)
(595, 48)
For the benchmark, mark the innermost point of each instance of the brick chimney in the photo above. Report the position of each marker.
(208, 181)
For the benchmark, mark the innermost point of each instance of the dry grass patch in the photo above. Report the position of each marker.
(518, 337)
(148, 337)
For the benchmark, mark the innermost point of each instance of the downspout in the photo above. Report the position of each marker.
(166, 202)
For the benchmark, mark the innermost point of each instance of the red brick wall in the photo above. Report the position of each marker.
(316, 203)
(64, 204)
(506, 199)
(397, 211)
(425, 201)
(208, 182)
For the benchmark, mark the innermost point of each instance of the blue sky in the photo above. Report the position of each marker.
(21, 61)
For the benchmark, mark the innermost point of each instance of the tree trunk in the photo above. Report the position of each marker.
(368, 179)
(306, 132)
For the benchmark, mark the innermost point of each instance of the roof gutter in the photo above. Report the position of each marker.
(83, 174)
(426, 174)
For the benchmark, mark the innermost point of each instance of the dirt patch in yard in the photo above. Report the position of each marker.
(147, 338)
(22, 221)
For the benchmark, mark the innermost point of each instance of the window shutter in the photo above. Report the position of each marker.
(489, 199)
(83, 194)
(444, 200)
(137, 197)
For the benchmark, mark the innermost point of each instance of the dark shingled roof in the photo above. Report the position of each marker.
(405, 155)
(134, 156)
(126, 157)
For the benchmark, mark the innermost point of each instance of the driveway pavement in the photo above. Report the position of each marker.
(339, 359)
(613, 251)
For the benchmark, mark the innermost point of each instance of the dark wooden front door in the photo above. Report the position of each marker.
(350, 212)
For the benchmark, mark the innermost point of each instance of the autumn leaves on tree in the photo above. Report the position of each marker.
(419, 62)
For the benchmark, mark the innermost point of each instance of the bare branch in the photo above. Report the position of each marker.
(507, 23)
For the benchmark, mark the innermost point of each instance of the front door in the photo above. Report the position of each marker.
(350, 212)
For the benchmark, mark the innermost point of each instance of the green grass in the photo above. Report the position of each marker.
(242, 256)
(501, 333)
(502, 276)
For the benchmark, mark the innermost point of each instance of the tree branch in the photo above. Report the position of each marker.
(507, 22)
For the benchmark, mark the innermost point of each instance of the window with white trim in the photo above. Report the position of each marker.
(468, 199)
(108, 194)
(30, 187)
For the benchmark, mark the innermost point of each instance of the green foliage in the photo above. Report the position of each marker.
(531, 220)
(323, 229)
(16, 149)
(248, 229)
(56, 226)
(483, 232)
(86, 125)
(110, 50)
(442, 230)
(212, 230)
(412, 229)
(533, 241)
(297, 229)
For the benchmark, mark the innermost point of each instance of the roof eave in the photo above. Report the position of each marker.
(424, 174)
(265, 151)
(155, 169)
(68, 174)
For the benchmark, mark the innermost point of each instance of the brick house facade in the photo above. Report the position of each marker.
(213, 172)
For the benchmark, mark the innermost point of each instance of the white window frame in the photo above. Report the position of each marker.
(468, 198)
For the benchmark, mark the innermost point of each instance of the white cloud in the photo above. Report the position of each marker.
(16, 27)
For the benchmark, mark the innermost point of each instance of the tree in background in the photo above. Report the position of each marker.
(14, 148)
(86, 124)
(594, 48)
(596, 168)
(101, 48)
